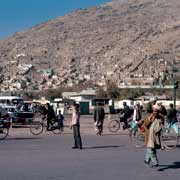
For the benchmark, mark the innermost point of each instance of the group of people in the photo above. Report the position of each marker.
(152, 124)
(59, 118)
(99, 116)
(51, 117)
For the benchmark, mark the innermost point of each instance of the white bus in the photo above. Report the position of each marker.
(10, 100)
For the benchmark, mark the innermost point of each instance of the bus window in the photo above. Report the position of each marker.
(2, 101)
(17, 101)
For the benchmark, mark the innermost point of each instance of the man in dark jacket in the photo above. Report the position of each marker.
(99, 116)
(50, 115)
(172, 119)
(125, 114)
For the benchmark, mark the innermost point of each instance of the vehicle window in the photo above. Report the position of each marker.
(8, 101)
(3, 101)
(17, 101)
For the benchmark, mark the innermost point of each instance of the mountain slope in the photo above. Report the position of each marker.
(119, 40)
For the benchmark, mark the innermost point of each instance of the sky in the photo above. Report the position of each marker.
(17, 15)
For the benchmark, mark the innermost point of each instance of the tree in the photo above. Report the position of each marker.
(112, 90)
(101, 93)
(51, 94)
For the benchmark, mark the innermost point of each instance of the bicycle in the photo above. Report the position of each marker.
(115, 124)
(4, 128)
(54, 127)
(36, 128)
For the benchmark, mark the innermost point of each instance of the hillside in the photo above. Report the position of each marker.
(137, 41)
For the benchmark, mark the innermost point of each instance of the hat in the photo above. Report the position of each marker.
(156, 107)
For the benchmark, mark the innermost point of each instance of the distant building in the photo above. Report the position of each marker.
(24, 68)
(20, 55)
(85, 95)
(46, 73)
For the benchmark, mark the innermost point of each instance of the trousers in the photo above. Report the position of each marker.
(77, 136)
(151, 155)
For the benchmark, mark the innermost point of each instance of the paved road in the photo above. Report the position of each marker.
(107, 157)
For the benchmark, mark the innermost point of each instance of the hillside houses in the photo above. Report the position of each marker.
(24, 68)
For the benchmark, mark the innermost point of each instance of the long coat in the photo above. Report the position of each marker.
(99, 114)
(154, 139)
(146, 124)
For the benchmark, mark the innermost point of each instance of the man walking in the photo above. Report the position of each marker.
(137, 115)
(172, 120)
(154, 125)
(99, 116)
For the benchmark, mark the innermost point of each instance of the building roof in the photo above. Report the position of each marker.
(89, 92)
(163, 97)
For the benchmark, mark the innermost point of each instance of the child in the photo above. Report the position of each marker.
(60, 119)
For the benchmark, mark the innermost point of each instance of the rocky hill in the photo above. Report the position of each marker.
(137, 41)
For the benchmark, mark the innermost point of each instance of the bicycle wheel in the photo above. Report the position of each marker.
(4, 131)
(36, 128)
(57, 131)
(114, 126)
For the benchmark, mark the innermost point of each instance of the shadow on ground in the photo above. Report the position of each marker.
(102, 147)
(114, 134)
(23, 138)
(175, 165)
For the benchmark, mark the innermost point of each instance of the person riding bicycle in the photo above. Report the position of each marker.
(50, 116)
(172, 120)
(125, 114)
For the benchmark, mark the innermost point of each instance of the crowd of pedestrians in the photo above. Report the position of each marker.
(152, 124)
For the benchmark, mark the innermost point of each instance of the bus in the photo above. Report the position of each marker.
(10, 100)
